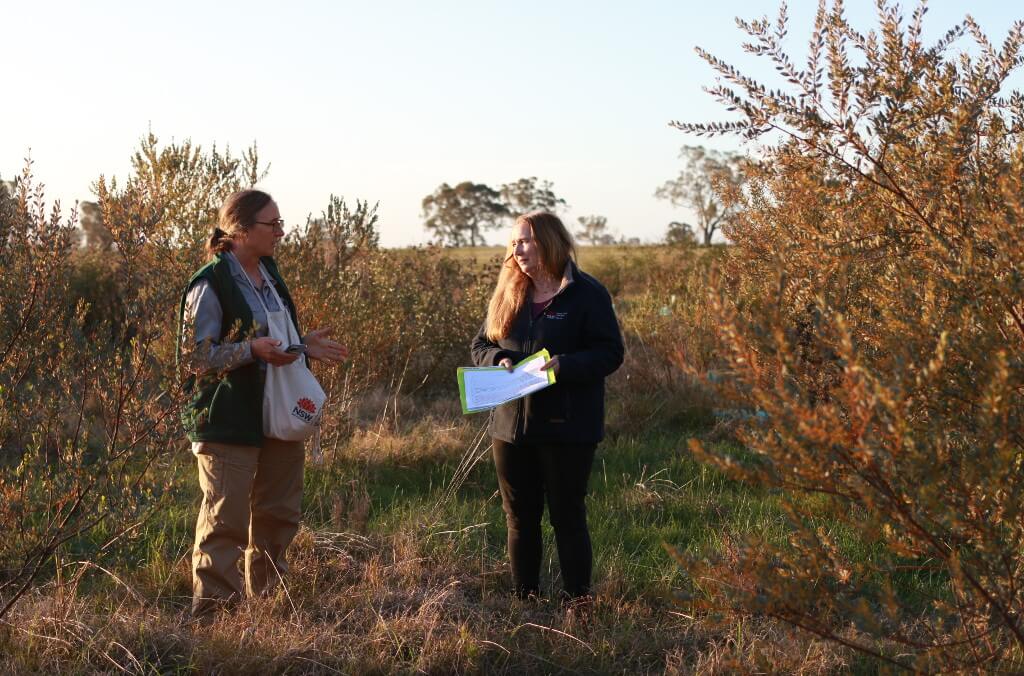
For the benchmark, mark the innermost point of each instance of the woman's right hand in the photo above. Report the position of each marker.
(268, 350)
(507, 364)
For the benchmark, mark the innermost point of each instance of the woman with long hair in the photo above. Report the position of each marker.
(544, 443)
(251, 483)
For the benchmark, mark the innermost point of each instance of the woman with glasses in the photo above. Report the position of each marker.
(252, 484)
(544, 443)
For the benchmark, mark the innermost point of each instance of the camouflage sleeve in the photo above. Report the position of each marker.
(200, 347)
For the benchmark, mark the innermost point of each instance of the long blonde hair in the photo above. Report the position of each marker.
(556, 248)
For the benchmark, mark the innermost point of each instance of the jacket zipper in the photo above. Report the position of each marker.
(520, 429)
(520, 426)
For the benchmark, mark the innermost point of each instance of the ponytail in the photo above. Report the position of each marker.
(219, 242)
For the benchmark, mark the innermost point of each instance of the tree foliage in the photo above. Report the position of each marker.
(594, 230)
(872, 313)
(86, 399)
(705, 175)
(8, 202)
(94, 233)
(343, 231)
(184, 184)
(88, 389)
(529, 194)
(90, 442)
(680, 234)
(458, 215)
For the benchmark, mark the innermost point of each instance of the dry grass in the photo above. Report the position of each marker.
(390, 604)
(401, 568)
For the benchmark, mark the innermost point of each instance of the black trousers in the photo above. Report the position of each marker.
(527, 474)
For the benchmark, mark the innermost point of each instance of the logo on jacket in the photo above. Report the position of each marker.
(304, 410)
(555, 315)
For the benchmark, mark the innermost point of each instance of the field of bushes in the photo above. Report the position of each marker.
(400, 564)
(814, 448)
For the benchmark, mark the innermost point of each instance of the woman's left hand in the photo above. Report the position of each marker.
(321, 347)
(551, 364)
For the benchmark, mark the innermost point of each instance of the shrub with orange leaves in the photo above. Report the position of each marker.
(872, 314)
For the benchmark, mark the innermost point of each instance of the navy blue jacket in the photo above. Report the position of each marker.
(580, 327)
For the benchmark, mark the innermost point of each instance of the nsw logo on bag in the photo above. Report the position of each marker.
(304, 410)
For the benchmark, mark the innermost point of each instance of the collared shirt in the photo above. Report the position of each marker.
(203, 315)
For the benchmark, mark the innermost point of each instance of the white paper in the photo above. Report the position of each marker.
(489, 387)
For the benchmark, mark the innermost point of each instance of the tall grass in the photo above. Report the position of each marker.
(395, 572)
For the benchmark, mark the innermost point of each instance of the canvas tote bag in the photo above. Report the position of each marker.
(292, 398)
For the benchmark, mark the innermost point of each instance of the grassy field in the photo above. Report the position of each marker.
(400, 566)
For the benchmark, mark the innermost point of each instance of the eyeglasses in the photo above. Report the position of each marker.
(276, 223)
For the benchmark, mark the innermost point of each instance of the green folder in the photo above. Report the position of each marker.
(461, 374)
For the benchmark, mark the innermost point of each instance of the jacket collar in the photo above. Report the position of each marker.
(568, 275)
(568, 278)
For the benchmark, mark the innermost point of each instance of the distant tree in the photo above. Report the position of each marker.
(95, 233)
(458, 215)
(680, 234)
(700, 184)
(8, 210)
(594, 230)
(529, 194)
(7, 200)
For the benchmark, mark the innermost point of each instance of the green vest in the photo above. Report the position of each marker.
(227, 407)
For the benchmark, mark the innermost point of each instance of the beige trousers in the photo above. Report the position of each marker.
(252, 502)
